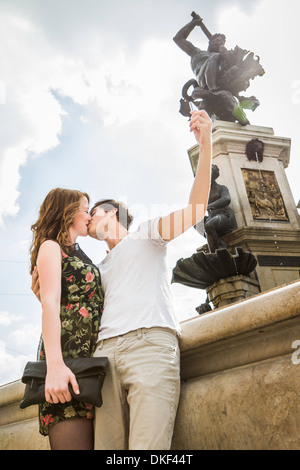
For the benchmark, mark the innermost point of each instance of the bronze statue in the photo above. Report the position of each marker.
(221, 218)
(220, 76)
(204, 269)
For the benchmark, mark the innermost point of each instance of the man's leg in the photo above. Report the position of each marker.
(111, 420)
(153, 381)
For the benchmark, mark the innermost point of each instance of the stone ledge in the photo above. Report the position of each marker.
(263, 309)
(239, 387)
(253, 407)
(252, 330)
(11, 392)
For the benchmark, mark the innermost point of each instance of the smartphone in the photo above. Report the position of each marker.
(193, 107)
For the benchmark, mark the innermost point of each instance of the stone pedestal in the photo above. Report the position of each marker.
(232, 289)
(268, 223)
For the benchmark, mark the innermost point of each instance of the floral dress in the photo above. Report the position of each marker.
(80, 313)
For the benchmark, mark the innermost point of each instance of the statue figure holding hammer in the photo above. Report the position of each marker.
(220, 75)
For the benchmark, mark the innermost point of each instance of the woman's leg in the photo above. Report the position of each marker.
(72, 434)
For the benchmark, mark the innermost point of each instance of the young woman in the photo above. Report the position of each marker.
(72, 300)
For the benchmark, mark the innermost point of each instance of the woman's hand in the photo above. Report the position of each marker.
(57, 384)
(201, 125)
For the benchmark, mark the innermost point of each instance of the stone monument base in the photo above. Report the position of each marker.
(268, 223)
(232, 289)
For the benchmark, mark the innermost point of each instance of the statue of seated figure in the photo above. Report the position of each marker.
(220, 219)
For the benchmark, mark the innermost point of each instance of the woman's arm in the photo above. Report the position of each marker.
(58, 375)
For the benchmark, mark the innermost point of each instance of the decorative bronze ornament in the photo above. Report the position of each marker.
(264, 195)
(255, 150)
(202, 270)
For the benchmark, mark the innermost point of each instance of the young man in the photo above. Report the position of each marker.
(139, 331)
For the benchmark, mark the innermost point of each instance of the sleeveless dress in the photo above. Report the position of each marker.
(80, 314)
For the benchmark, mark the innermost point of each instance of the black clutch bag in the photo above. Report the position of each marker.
(89, 371)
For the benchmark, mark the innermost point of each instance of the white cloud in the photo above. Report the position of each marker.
(12, 365)
(32, 116)
(125, 88)
(2, 92)
(124, 91)
(11, 160)
(23, 338)
(19, 346)
(7, 319)
(272, 32)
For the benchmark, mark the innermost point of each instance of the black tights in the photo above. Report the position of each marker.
(72, 434)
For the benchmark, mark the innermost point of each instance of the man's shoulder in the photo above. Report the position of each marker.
(150, 230)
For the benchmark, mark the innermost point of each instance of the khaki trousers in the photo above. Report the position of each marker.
(140, 392)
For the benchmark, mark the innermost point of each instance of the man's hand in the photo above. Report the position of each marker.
(201, 125)
(35, 284)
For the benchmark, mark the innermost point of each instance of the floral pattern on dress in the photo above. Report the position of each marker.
(80, 314)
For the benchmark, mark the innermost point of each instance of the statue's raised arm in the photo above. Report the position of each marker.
(181, 37)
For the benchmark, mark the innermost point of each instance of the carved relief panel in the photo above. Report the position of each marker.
(264, 195)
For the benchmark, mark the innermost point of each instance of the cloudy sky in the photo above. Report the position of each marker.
(89, 99)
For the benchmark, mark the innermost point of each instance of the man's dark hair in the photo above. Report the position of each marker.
(123, 215)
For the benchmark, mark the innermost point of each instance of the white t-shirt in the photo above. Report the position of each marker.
(136, 284)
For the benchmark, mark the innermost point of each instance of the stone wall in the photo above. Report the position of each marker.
(239, 382)
(240, 375)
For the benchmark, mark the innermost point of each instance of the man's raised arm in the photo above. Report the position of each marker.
(174, 224)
